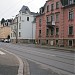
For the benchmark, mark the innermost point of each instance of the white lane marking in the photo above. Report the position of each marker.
(2, 53)
(41, 53)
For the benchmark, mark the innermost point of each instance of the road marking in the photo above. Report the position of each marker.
(2, 53)
(41, 53)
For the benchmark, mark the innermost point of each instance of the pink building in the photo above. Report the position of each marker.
(55, 24)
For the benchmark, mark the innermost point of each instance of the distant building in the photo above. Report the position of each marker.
(5, 30)
(55, 24)
(13, 30)
(25, 25)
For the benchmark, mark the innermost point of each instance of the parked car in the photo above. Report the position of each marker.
(2, 40)
(7, 40)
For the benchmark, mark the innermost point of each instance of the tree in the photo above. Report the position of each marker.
(2, 21)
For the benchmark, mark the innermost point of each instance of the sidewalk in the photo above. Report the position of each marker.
(58, 48)
(9, 64)
(50, 47)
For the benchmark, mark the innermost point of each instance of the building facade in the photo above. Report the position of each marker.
(5, 30)
(25, 26)
(55, 24)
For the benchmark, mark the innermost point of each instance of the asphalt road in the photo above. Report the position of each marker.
(59, 61)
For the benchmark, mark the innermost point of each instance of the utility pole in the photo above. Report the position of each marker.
(17, 30)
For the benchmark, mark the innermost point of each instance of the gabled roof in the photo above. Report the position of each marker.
(25, 8)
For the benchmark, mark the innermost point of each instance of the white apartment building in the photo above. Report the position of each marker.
(24, 26)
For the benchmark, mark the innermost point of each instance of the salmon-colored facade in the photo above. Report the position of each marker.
(55, 24)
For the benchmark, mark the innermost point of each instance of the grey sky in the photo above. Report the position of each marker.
(9, 8)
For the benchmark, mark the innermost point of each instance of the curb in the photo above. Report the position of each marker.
(65, 49)
(26, 68)
(20, 70)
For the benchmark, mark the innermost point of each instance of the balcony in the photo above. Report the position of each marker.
(51, 24)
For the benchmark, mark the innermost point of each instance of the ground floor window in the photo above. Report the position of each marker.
(56, 42)
(39, 41)
(46, 41)
(70, 42)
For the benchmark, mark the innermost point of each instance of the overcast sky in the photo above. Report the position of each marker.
(10, 8)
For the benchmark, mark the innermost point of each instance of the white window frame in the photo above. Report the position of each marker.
(70, 1)
(71, 13)
(19, 34)
(19, 25)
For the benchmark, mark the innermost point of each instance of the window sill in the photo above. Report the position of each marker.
(57, 22)
(70, 35)
(51, 35)
(57, 8)
(56, 35)
(71, 20)
(47, 35)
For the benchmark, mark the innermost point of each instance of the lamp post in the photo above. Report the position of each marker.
(17, 30)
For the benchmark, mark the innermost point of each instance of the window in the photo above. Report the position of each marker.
(56, 42)
(48, 8)
(52, 7)
(39, 42)
(47, 19)
(40, 21)
(46, 41)
(57, 31)
(70, 42)
(71, 15)
(20, 18)
(19, 34)
(47, 32)
(52, 17)
(57, 17)
(19, 25)
(52, 31)
(57, 5)
(11, 34)
(70, 1)
(27, 18)
(39, 33)
(70, 30)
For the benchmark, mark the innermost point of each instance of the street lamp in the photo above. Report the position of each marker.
(17, 30)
